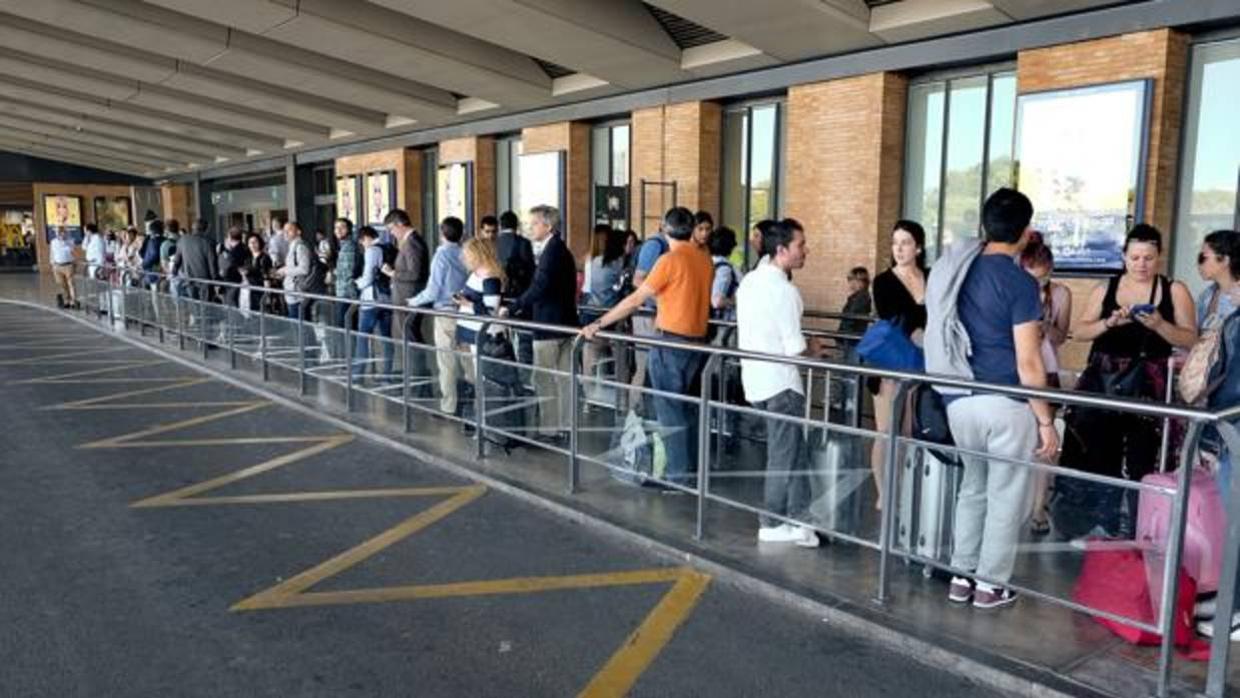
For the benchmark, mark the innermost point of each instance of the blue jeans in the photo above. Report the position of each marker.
(675, 371)
(372, 318)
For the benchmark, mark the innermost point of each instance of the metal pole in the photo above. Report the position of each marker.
(407, 415)
(348, 353)
(809, 401)
(1171, 566)
(301, 346)
(1165, 449)
(574, 418)
(703, 459)
(858, 400)
(887, 527)
(723, 398)
(480, 392)
(202, 302)
(176, 304)
(262, 335)
(230, 328)
(1220, 645)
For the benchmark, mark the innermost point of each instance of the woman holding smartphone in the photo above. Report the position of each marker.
(1135, 320)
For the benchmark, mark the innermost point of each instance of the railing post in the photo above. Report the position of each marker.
(1164, 449)
(703, 459)
(574, 418)
(202, 302)
(180, 318)
(262, 334)
(348, 353)
(230, 330)
(301, 346)
(809, 401)
(404, 369)
(1171, 565)
(887, 528)
(1220, 645)
(480, 392)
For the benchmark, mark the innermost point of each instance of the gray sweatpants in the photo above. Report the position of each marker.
(994, 495)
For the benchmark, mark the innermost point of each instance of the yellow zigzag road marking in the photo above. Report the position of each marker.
(616, 677)
(63, 377)
(52, 358)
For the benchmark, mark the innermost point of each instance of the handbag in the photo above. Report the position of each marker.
(886, 346)
(927, 421)
(1194, 384)
(1131, 380)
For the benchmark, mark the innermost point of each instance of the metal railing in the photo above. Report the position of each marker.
(714, 357)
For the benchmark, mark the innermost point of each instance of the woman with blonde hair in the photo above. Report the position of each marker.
(481, 294)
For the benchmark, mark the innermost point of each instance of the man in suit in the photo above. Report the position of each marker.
(409, 273)
(195, 259)
(232, 259)
(517, 256)
(551, 298)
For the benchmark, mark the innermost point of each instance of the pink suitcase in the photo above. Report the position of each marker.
(1204, 533)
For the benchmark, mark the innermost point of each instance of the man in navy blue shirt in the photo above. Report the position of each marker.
(1000, 308)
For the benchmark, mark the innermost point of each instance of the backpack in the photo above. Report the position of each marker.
(383, 282)
(732, 282)
(315, 281)
(927, 421)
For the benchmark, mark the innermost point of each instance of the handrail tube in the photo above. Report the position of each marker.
(203, 304)
(407, 335)
(1131, 405)
(480, 393)
(574, 419)
(703, 437)
(1220, 645)
(301, 348)
(732, 324)
(262, 336)
(350, 313)
(886, 528)
(1171, 566)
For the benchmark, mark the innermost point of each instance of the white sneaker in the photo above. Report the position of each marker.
(1206, 627)
(782, 533)
(1205, 609)
(808, 538)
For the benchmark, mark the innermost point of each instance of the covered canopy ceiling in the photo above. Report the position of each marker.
(158, 87)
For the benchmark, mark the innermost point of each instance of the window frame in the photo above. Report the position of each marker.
(946, 77)
(778, 161)
(611, 125)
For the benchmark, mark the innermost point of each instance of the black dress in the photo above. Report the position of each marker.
(1125, 361)
(893, 302)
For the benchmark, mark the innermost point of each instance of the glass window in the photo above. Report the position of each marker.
(752, 169)
(1210, 175)
(609, 163)
(958, 150)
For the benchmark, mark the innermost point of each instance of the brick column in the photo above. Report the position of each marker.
(574, 139)
(480, 150)
(845, 162)
(1160, 55)
(406, 162)
(675, 143)
(175, 198)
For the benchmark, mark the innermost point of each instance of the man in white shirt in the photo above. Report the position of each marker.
(62, 265)
(768, 315)
(96, 250)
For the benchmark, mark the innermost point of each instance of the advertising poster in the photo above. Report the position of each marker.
(452, 193)
(112, 214)
(62, 211)
(1080, 159)
(541, 184)
(346, 198)
(380, 200)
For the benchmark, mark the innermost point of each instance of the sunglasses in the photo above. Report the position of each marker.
(1202, 257)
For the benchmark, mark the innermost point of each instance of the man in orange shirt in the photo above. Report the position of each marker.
(680, 284)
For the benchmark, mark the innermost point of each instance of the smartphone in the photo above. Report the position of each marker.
(1143, 309)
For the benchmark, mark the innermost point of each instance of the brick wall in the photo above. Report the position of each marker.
(845, 157)
(406, 162)
(680, 143)
(1161, 55)
(574, 139)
